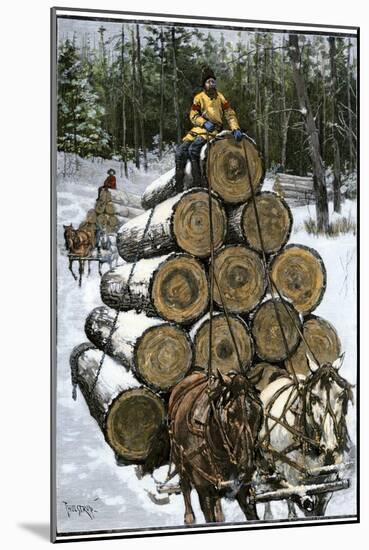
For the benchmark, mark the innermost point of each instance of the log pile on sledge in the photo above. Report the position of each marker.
(113, 208)
(154, 325)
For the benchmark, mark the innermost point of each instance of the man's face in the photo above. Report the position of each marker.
(210, 84)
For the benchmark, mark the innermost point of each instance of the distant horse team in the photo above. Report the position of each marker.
(224, 435)
(85, 244)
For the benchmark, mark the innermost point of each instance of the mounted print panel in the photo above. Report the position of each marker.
(205, 188)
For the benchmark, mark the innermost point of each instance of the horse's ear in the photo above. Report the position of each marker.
(313, 366)
(337, 364)
(222, 380)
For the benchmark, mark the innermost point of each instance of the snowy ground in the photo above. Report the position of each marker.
(86, 470)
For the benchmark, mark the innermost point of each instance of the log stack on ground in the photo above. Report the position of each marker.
(155, 325)
(296, 190)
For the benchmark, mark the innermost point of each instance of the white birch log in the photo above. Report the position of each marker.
(172, 286)
(157, 352)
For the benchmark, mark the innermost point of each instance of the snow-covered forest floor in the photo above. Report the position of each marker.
(86, 470)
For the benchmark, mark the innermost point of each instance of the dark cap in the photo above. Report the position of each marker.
(205, 74)
(111, 172)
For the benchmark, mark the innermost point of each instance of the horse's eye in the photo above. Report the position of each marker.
(342, 396)
(315, 399)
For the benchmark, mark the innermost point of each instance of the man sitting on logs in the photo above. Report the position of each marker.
(206, 115)
(110, 182)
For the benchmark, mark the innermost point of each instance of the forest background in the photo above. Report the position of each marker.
(125, 89)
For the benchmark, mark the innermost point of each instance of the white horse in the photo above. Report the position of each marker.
(305, 429)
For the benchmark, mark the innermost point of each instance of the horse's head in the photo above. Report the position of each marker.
(68, 236)
(326, 398)
(240, 416)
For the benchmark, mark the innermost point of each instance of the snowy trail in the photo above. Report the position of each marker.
(86, 470)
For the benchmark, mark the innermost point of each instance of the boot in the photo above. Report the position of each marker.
(179, 177)
(196, 174)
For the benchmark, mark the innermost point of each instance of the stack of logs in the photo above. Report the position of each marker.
(113, 208)
(162, 294)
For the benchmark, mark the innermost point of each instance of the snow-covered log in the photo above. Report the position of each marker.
(224, 353)
(164, 188)
(172, 286)
(241, 277)
(275, 221)
(180, 223)
(129, 415)
(299, 274)
(159, 353)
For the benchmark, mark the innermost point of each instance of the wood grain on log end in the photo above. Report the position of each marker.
(271, 344)
(133, 421)
(241, 277)
(228, 172)
(299, 274)
(323, 342)
(191, 225)
(180, 289)
(224, 355)
(163, 356)
(275, 220)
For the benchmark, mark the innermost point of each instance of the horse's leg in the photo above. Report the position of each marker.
(100, 272)
(247, 506)
(292, 513)
(268, 514)
(71, 269)
(219, 516)
(207, 504)
(321, 504)
(81, 269)
(189, 517)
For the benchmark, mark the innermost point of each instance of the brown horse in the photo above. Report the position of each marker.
(214, 425)
(79, 244)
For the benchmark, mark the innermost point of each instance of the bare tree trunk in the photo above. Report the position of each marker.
(124, 120)
(324, 108)
(336, 152)
(134, 102)
(322, 213)
(257, 91)
(161, 120)
(175, 87)
(351, 145)
(285, 115)
(141, 97)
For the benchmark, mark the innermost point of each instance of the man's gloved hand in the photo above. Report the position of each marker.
(209, 126)
(237, 134)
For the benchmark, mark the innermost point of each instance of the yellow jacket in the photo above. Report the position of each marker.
(212, 109)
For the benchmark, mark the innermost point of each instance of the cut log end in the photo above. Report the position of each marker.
(241, 278)
(191, 223)
(323, 342)
(300, 275)
(224, 355)
(133, 422)
(228, 169)
(271, 343)
(163, 356)
(180, 290)
(275, 221)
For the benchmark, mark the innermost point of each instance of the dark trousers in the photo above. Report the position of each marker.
(188, 150)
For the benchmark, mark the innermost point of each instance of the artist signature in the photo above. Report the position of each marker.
(80, 509)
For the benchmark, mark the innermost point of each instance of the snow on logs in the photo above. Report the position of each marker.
(180, 223)
(128, 414)
(274, 220)
(173, 287)
(157, 352)
(224, 353)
